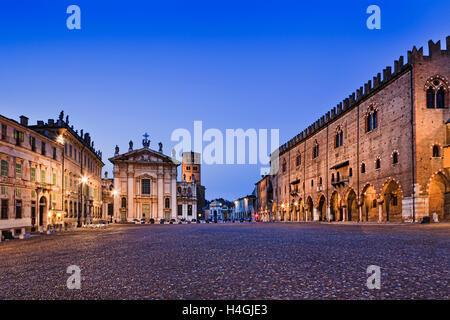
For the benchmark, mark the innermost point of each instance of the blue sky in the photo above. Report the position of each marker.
(156, 66)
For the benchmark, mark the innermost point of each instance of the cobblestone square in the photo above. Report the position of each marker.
(231, 261)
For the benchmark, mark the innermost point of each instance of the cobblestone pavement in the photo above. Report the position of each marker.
(232, 261)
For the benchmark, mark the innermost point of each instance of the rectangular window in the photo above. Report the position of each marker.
(33, 194)
(145, 186)
(54, 179)
(189, 210)
(54, 153)
(4, 190)
(70, 151)
(180, 210)
(4, 168)
(18, 192)
(298, 160)
(18, 171)
(4, 209)
(3, 131)
(18, 209)
(43, 148)
(43, 178)
(33, 143)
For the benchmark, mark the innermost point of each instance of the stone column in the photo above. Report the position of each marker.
(160, 195)
(130, 197)
(380, 211)
(174, 196)
(344, 214)
(328, 213)
(315, 214)
(360, 212)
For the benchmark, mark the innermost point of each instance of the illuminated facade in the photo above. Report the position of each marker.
(379, 156)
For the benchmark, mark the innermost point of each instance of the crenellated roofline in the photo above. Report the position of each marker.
(369, 89)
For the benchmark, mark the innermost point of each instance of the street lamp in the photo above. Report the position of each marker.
(84, 180)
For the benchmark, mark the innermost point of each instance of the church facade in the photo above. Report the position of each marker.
(145, 186)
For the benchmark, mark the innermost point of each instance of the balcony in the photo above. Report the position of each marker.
(340, 182)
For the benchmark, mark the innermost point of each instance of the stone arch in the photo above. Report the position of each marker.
(322, 207)
(309, 209)
(369, 203)
(392, 196)
(335, 207)
(351, 201)
(439, 196)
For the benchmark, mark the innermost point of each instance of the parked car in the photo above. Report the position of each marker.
(194, 220)
(242, 220)
(136, 221)
(152, 221)
(162, 221)
(143, 221)
(172, 221)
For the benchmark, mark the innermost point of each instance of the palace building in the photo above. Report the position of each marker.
(380, 155)
(50, 176)
(145, 186)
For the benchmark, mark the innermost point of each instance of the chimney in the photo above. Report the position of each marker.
(24, 121)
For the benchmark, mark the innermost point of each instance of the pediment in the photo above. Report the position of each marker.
(142, 155)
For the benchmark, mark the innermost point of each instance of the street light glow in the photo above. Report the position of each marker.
(84, 179)
(60, 139)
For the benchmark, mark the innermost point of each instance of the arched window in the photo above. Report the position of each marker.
(124, 202)
(378, 164)
(312, 183)
(299, 160)
(320, 181)
(440, 98)
(395, 158)
(430, 98)
(339, 139)
(436, 151)
(315, 150)
(375, 119)
(338, 177)
(284, 165)
(363, 168)
(167, 203)
(332, 177)
(369, 122)
(350, 172)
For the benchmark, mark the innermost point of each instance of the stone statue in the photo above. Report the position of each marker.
(160, 147)
(184, 177)
(131, 146)
(117, 150)
(67, 119)
(61, 115)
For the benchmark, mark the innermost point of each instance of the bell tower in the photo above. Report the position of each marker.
(191, 167)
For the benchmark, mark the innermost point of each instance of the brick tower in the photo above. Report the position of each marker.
(191, 167)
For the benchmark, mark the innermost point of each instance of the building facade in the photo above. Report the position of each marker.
(30, 179)
(82, 166)
(245, 208)
(378, 156)
(145, 186)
